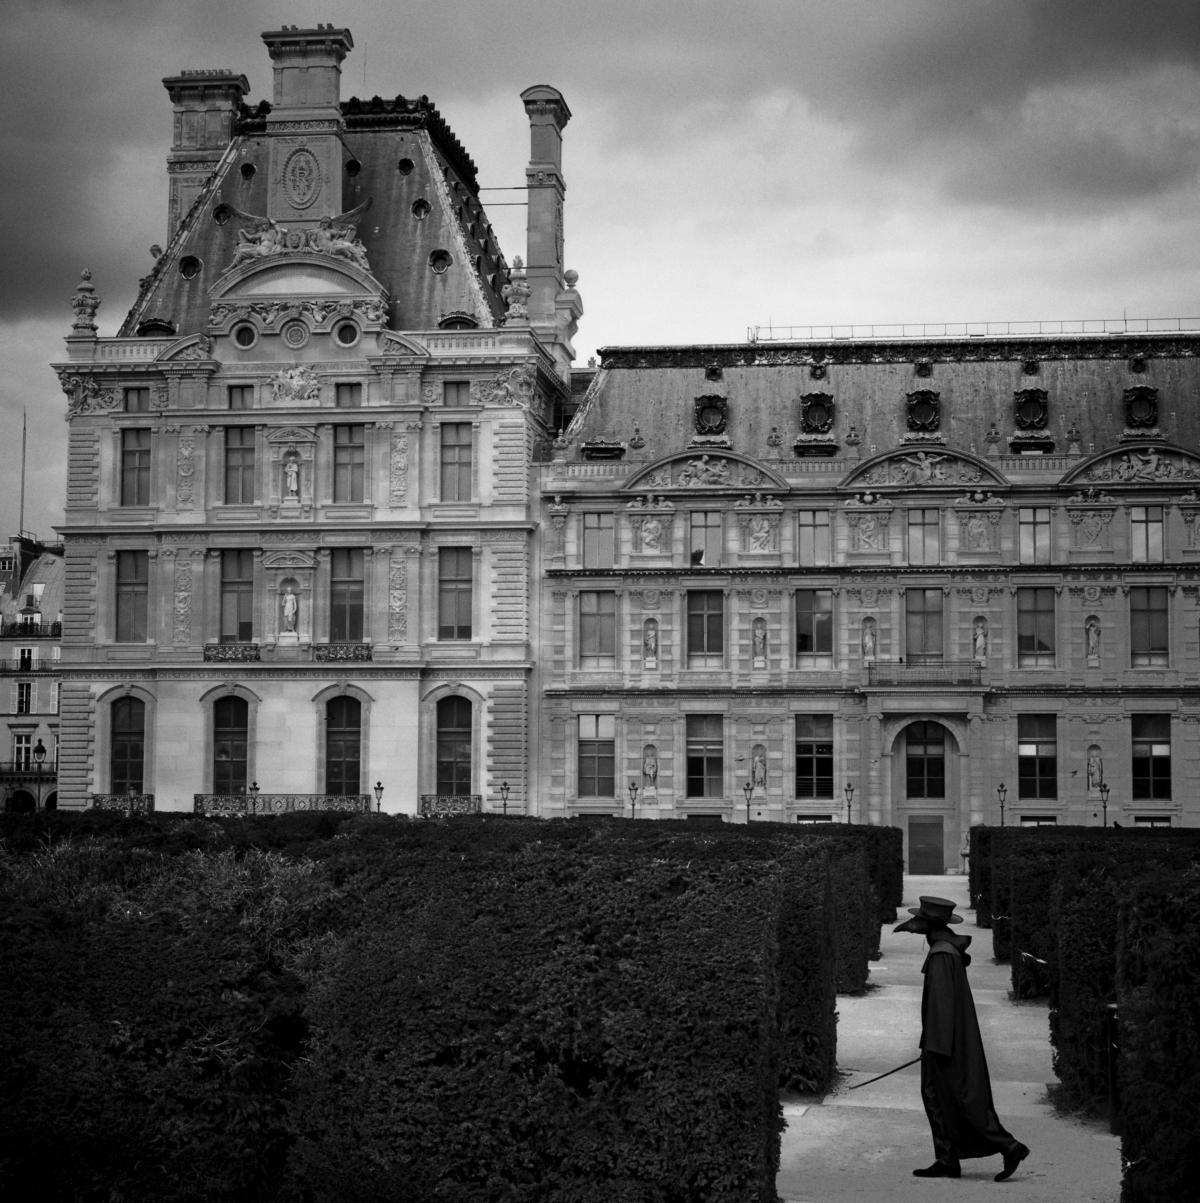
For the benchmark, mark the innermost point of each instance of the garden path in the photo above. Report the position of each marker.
(863, 1145)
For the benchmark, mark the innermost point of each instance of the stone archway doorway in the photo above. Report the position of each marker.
(927, 780)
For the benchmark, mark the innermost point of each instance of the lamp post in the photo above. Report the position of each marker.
(253, 792)
(378, 796)
(39, 756)
(1001, 793)
(504, 788)
(849, 802)
(747, 789)
(633, 793)
(1104, 801)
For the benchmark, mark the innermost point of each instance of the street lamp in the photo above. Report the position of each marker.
(747, 789)
(1001, 793)
(504, 788)
(39, 756)
(633, 793)
(254, 789)
(378, 796)
(1104, 802)
(849, 802)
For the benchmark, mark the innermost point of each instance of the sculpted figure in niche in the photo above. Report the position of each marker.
(758, 769)
(1092, 633)
(870, 538)
(1095, 768)
(868, 639)
(650, 640)
(291, 610)
(651, 534)
(650, 765)
(760, 640)
(291, 472)
(760, 533)
(977, 533)
(979, 639)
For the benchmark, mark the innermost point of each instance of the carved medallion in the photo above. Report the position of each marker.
(301, 178)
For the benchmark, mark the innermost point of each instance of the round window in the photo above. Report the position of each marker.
(189, 267)
(353, 167)
(1032, 412)
(347, 334)
(222, 214)
(924, 413)
(405, 166)
(248, 170)
(1141, 409)
(420, 208)
(440, 261)
(818, 415)
(710, 417)
(295, 334)
(245, 336)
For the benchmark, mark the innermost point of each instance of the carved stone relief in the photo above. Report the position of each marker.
(922, 468)
(1091, 528)
(1149, 464)
(760, 532)
(182, 629)
(398, 471)
(185, 472)
(398, 600)
(869, 529)
(979, 530)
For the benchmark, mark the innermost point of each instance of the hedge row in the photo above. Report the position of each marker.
(191, 1003)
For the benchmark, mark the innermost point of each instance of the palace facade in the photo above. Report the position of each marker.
(341, 511)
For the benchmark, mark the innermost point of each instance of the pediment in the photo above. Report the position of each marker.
(704, 470)
(297, 275)
(292, 434)
(190, 347)
(1138, 464)
(289, 559)
(922, 468)
(391, 343)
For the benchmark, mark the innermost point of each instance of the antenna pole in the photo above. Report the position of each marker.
(21, 517)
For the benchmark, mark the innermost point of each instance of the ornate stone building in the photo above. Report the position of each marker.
(300, 508)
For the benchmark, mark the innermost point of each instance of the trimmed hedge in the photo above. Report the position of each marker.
(884, 851)
(1158, 995)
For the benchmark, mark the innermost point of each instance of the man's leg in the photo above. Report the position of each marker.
(946, 1165)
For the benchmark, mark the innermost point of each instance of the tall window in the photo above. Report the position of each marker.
(241, 396)
(343, 743)
(456, 393)
(925, 760)
(814, 538)
(597, 540)
(923, 625)
(1034, 522)
(346, 596)
(705, 756)
(814, 622)
(135, 467)
(597, 629)
(26, 659)
(133, 588)
(1151, 756)
(231, 722)
(814, 756)
(1035, 628)
(137, 400)
(23, 752)
(348, 396)
(705, 628)
(706, 538)
(24, 697)
(454, 746)
(454, 593)
(237, 596)
(239, 465)
(126, 764)
(1037, 755)
(597, 756)
(349, 456)
(924, 544)
(1148, 638)
(456, 461)
(1146, 525)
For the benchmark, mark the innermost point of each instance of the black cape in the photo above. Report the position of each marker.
(955, 1086)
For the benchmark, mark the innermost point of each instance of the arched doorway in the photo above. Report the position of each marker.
(231, 723)
(343, 745)
(928, 794)
(20, 802)
(454, 747)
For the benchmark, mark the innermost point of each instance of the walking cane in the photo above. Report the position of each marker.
(888, 1074)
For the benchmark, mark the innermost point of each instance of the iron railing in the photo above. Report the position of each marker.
(1118, 325)
(131, 804)
(327, 652)
(948, 672)
(31, 630)
(28, 768)
(30, 666)
(439, 805)
(235, 805)
(226, 653)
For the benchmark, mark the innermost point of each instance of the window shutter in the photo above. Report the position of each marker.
(13, 700)
(53, 697)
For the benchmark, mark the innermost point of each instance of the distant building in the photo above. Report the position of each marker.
(31, 598)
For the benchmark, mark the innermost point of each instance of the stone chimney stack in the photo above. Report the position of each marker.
(305, 123)
(554, 306)
(206, 104)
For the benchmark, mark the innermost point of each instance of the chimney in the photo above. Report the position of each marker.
(553, 313)
(206, 104)
(305, 123)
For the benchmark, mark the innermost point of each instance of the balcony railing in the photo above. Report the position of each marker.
(30, 666)
(27, 770)
(948, 672)
(237, 805)
(439, 805)
(227, 653)
(31, 630)
(131, 804)
(326, 652)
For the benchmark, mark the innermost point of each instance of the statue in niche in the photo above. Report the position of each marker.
(868, 639)
(651, 534)
(291, 609)
(1092, 632)
(760, 533)
(650, 766)
(760, 640)
(758, 768)
(977, 533)
(291, 472)
(979, 639)
(650, 640)
(1095, 768)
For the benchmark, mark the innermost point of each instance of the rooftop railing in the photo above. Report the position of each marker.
(31, 630)
(1022, 329)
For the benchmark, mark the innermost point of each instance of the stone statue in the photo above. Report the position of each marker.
(265, 238)
(1092, 631)
(868, 640)
(758, 769)
(650, 765)
(651, 534)
(291, 469)
(760, 641)
(516, 291)
(760, 533)
(979, 640)
(868, 534)
(650, 640)
(1095, 769)
(291, 610)
(977, 533)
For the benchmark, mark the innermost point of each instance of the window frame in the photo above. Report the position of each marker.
(814, 750)
(449, 746)
(925, 526)
(595, 751)
(1144, 652)
(455, 461)
(924, 655)
(348, 394)
(1037, 757)
(453, 587)
(819, 623)
(705, 628)
(338, 776)
(924, 742)
(237, 596)
(1153, 782)
(136, 450)
(712, 538)
(240, 465)
(704, 751)
(456, 394)
(244, 394)
(347, 592)
(1144, 532)
(24, 697)
(1035, 628)
(349, 463)
(131, 617)
(139, 395)
(1038, 530)
(124, 739)
(599, 539)
(597, 628)
(232, 781)
(809, 552)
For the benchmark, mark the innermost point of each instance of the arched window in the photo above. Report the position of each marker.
(343, 743)
(925, 755)
(454, 746)
(127, 767)
(231, 720)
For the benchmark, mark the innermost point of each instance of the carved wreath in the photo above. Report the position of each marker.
(1031, 409)
(816, 413)
(1141, 407)
(711, 415)
(924, 410)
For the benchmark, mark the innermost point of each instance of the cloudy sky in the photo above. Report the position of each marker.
(728, 164)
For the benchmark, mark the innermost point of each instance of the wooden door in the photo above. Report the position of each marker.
(926, 851)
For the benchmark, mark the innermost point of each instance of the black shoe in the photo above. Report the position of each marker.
(940, 1169)
(1012, 1159)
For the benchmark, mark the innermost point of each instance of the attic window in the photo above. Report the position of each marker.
(155, 325)
(420, 208)
(222, 214)
(353, 167)
(248, 170)
(245, 336)
(347, 334)
(458, 321)
(440, 261)
(189, 267)
(405, 166)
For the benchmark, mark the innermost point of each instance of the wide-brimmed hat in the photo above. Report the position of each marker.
(938, 911)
